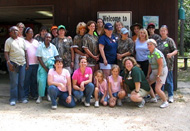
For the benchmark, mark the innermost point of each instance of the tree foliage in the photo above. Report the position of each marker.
(186, 6)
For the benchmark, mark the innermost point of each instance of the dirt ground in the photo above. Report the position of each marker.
(36, 117)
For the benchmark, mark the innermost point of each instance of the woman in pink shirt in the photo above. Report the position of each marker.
(82, 82)
(59, 82)
(30, 83)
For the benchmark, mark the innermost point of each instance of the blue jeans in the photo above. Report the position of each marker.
(89, 89)
(115, 94)
(54, 92)
(17, 84)
(169, 83)
(30, 82)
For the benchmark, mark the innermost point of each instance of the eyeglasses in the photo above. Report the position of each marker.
(82, 27)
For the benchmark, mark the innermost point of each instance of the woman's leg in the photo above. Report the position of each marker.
(106, 72)
(78, 94)
(89, 88)
(63, 98)
(53, 92)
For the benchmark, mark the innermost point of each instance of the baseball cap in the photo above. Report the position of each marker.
(108, 26)
(151, 25)
(61, 27)
(124, 31)
(54, 27)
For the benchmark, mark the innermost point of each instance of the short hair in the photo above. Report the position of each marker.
(58, 59)
(43, 28)
(115, 30)
(79, 25)
(146, 33)
(132, 59)
(47, 34)
(89, 23)
(13, 27)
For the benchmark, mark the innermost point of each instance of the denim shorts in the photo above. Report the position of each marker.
(101, 95)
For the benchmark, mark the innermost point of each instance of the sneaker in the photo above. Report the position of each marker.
(25, 101)
(128, 99)
(86, 104)
(48, 98)
(141, 104)
(119, 103)
(39, 100)
(171, 99)
(12, 103)
(96, 104)
(152, 100)
(164, 104)
(54, 107)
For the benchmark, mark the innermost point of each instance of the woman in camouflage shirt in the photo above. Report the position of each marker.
(64, 47)
(77, 43)
(90, 45)
(167, 46)
(125, 47)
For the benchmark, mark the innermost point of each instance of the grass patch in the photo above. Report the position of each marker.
(183, 75)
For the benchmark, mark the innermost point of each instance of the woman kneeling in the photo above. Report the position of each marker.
(59, 82)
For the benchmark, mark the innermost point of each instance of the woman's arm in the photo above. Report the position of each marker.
(88, 81)
(78, 51)
(169, 55)
(75, 85)
(90, 54)
(42, 64)
(51, 82)
(72, 57)
(109, 89)
(101, 48)
(69, 98)
(137, 87)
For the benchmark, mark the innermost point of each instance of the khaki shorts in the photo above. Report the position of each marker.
(143, 92)
(163, 75)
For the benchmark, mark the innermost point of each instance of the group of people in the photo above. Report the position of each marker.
(101, 61)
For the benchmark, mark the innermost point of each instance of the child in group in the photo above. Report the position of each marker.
(115, 87)
(100, 89)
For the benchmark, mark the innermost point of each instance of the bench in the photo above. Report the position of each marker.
(185, 58)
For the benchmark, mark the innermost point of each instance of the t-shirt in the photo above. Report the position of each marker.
(47, 53)
(115, 86)
(152, 58)
(110, 49)
(141, 50)
(90, 42)
(77, 75)
(31, 50)
(16, 49)
(102, 86)
(64, 46)
(62, 78)
(167, 46)
(135, 75)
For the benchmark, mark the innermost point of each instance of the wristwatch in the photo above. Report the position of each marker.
(136, 91)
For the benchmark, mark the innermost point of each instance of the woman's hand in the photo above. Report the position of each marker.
(72, 64)
(61, 86)
(119, 56)
(158, 79)
(11, 67)
(96, 58)
(102, 100)
(105, 62)
(68, 100)
(169, 55)
(82, 86)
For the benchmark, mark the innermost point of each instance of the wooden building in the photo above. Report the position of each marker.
(70, 12)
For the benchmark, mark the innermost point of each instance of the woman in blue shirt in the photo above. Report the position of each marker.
(108, 49)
